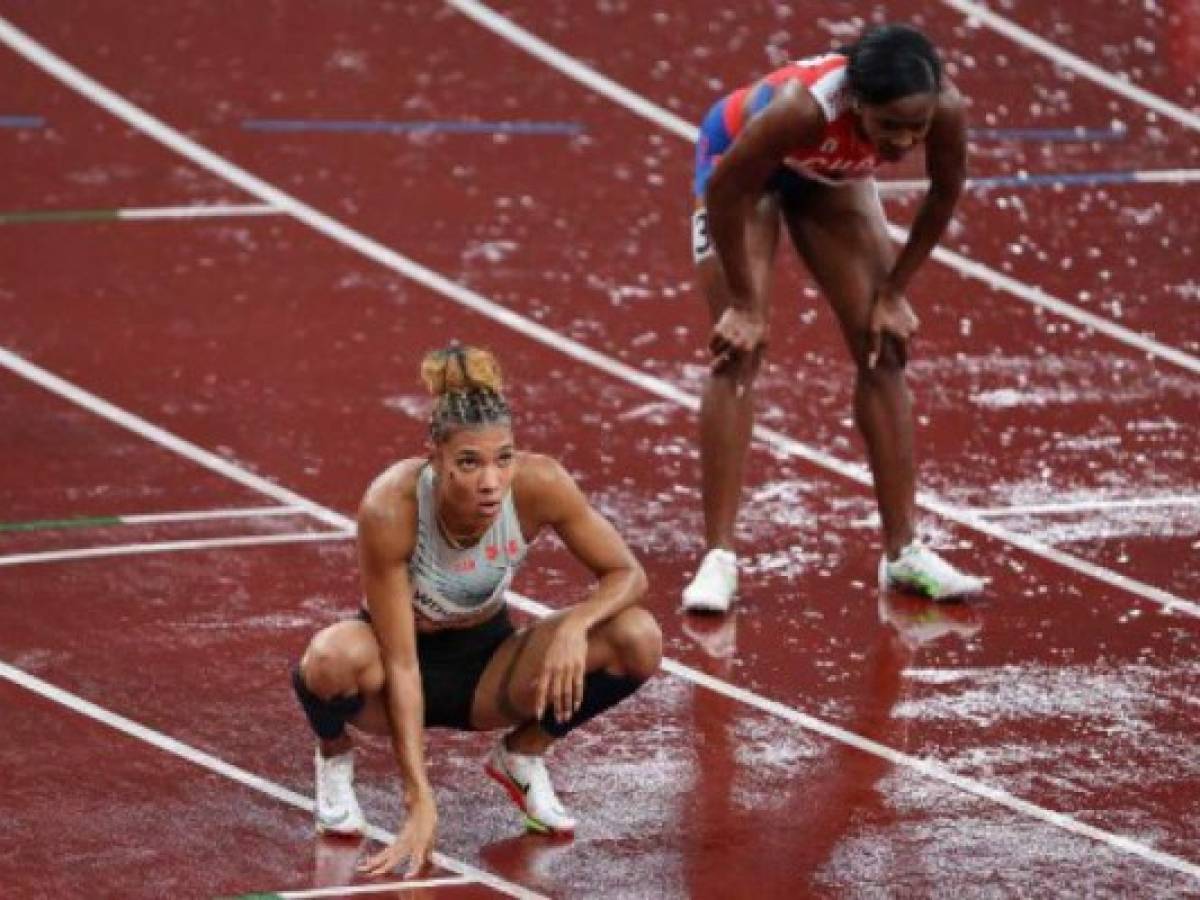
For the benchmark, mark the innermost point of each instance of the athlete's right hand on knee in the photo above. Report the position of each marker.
(414, 843)
(737, 331)
(891, 315)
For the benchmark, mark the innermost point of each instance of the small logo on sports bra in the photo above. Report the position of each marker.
(464, 565)
(492, 552)
(512, 547)
(830, 146)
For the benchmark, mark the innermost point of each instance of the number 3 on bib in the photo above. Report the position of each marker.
(701, 242)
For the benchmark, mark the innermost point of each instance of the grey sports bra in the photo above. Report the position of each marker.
(451, 583)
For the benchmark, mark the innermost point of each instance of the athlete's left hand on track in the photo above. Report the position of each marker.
(560, 683)
(890, 314)
(414, 843)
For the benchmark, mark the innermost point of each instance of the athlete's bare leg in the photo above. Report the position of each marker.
(841, 234)
(727, 404)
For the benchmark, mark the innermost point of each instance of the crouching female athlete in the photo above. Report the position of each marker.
(440, 539)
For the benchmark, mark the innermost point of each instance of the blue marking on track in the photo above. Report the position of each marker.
(21, 121)
(407, 127)
(1063, 135)
(1076, 178)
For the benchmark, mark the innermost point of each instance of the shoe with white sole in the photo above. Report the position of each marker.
(715, 583)
(338, 811)
(528, 784)
(919, 570)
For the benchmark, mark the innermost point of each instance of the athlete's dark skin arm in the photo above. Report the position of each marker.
(792, 119)
(946, 166)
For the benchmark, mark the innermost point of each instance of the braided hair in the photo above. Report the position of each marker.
(466, 385)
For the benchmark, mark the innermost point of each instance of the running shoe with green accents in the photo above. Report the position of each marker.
(919, 570)
(527, 782)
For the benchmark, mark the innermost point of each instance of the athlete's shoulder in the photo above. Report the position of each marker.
(538, 474)
(544, 490)
(391, 498)
(951, 101)
(825, 78)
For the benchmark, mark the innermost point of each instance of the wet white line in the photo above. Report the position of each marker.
(1142, 176)
(252, 540)
(1068, 60)
(198, 212)
(572, 68)
(347, 890)
(1035, 296)
(160, 436)
(1053, 509)
(372, 249)
(228, 770)
(204, 515)
(108, 521)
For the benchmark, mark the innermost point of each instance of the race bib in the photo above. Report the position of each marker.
(701, 242)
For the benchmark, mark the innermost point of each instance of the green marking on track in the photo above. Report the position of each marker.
(50, 524)
(63, 215)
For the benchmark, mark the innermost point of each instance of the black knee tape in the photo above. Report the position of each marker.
(328, 718)
(601, 690)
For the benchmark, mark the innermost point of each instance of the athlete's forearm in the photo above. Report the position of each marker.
(928, 227)
(728, 208)
(406, 715)
(615, 591)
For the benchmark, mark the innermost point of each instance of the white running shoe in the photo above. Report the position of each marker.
(528, 783)
(338, 811)
(715, 583)
(921, 571)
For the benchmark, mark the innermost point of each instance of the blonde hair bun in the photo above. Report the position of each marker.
(458, 369)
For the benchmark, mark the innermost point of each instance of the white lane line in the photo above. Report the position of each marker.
(252, 540)
(160, 436)
(926, 767)
(372, 249)
(353, 889)
(1067, 60)
(1054, 509)
(198, 212)
(762, 703)
(1035, 296)
(204, 515)
(228, 770)
(572, 68)
(1048, 180)
(135, 214)
(108, 521)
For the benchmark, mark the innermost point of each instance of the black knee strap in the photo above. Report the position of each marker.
(601, 690)
(328, 718)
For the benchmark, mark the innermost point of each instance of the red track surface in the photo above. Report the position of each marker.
(295, 357)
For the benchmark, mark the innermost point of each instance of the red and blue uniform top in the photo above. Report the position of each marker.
(841, 154)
